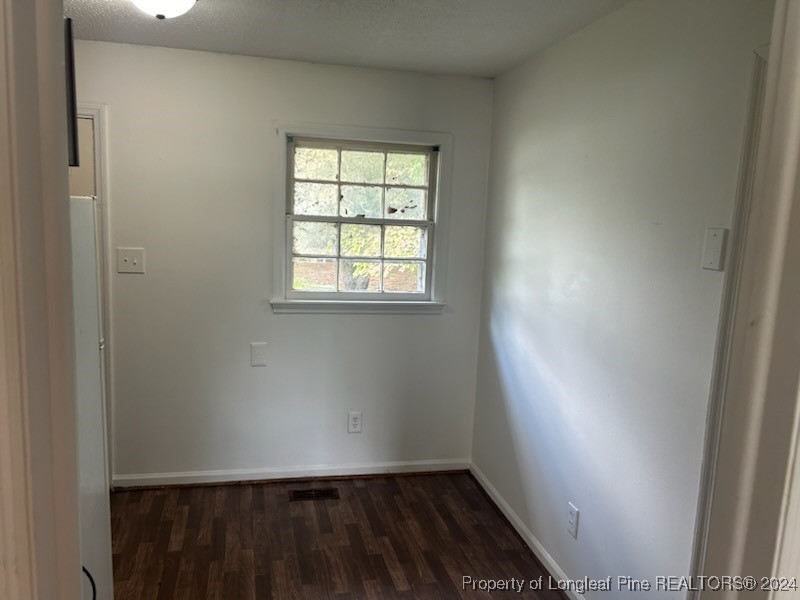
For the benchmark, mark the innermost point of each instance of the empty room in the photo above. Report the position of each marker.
(400, 299)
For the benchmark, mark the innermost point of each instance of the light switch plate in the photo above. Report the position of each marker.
(130, 260)
(714, 249)
(258, 354)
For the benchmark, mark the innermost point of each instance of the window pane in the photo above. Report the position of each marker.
(361, 240)
(405, 242)
(316, 163)
(314, 238)
(314, 274)
(407, 169)
(362, 167)
(359, 276)
(360, 200)
(403, 203)
(315, 199)
(406, 277)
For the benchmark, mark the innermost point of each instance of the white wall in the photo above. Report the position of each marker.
(191, 149)
(612, 152)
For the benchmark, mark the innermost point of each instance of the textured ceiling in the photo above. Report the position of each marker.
(468, 37)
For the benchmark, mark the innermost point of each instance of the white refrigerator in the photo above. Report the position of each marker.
(93, 473)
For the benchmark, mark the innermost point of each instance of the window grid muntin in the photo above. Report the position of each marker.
(386, 148)
(339, 257)
(429, 189)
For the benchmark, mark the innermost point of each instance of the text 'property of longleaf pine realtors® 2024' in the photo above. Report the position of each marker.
(667, 583)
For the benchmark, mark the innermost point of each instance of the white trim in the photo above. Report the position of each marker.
(787, 553)
(538, 549)
(233, 475)
(17, 559)
(98, 114)
(280, 298)
(374, 307)
(730, 296)
(38, 470)
(757, 434)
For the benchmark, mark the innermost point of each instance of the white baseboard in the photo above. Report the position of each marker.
(225, 476)
(530, 539)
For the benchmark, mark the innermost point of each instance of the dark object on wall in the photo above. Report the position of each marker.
(72, 103)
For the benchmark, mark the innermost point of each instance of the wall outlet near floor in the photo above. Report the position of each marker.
(354, 422)
(258, 354)
(572, 519)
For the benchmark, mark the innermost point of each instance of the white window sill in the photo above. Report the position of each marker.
(375, 307)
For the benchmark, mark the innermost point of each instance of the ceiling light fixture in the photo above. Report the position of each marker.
(164, 9)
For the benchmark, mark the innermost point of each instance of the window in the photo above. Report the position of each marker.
(361, 220)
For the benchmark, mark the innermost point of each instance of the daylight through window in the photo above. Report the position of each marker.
(360, 219)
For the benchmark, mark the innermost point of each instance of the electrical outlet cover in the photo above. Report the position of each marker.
(258, 354)
(354, 422)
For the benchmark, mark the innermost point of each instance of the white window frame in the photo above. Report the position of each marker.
(432, 302)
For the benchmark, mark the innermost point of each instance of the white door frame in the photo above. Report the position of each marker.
(16, 511)
(759, 422)
(98, 114)
(787, 554)
(730, 297)
(39, 548)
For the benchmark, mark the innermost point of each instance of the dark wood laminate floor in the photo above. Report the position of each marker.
(387, 537)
